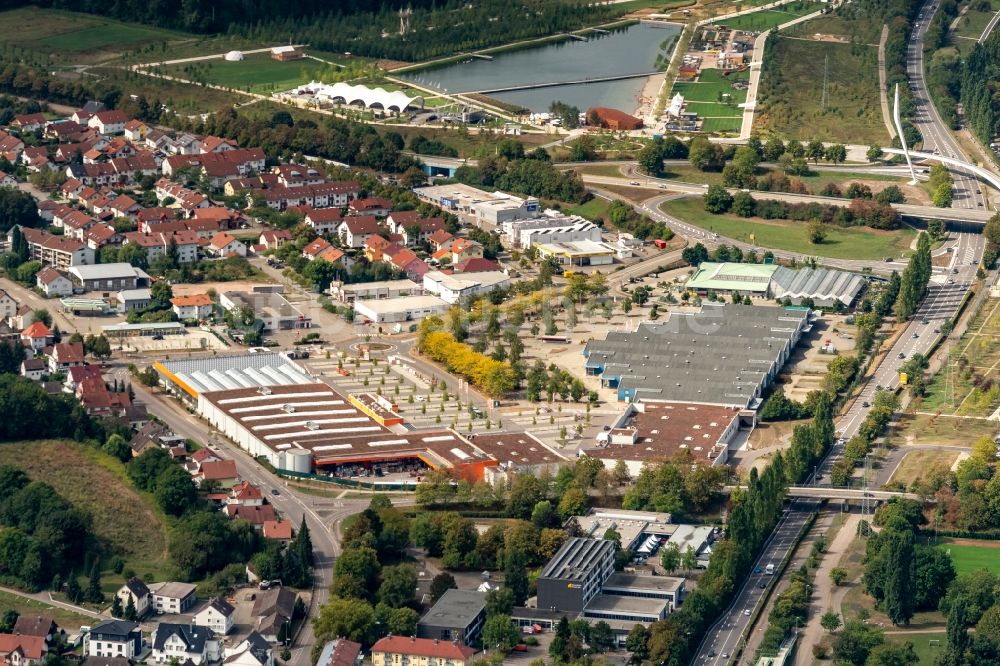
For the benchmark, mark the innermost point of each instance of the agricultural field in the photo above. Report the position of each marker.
(791, 102)
(80, 39)
(840, 243)
(969, 384)
(771, 18)
(124, 520)
(970, 555)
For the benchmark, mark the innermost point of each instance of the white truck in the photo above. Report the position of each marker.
(769, 569)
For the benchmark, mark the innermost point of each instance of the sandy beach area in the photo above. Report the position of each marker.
(649, 94)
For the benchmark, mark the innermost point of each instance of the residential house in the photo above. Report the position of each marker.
(192, 306)
(245, 493)
(223, 472)
(23, 318)
(108, 122)
(409, 651)
(216, 144)
(100, 235)
(7, 180)
(340, 652)
(217, 615)
(297, 175)
(320, 248)
(187, 244)
(377, 206)
(55, 250)
(254, 650)
(272, 239)
(224, 245)
(278, 530)
(272, 609)
(136, 591)
(33, 624)
(377, 246)
(354, 231)
(183, 643)
(172, 598)
(324, 220)
(114, 638)
(21, 650)
(66, 355)
(28, 122)
(36, 336)
(440, 239)
(33, 369)
(8, 306)
(476, 265)
(79, 374)
(8, 333)
(136, 130)
(463, 249)
(423, 229)
(255, 515)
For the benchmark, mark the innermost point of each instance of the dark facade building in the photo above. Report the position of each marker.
(576, 574)
(457, 616)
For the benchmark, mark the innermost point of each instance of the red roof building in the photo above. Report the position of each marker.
(432, 649)
(613, 119)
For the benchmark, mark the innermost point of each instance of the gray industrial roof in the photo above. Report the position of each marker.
(819, 284)
(576, 558)
(457, 608)
(220, 373)
(720, 355)
(108, 271)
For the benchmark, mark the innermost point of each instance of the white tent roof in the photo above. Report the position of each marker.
(368, 96)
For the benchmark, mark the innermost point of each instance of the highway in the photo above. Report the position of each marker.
(937, 135)
(724, 637)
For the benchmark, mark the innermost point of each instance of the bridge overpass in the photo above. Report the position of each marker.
(826, 492)
(553, 84)
(984, 174)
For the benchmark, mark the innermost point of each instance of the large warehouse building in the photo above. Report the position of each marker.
(273, 408)
(823, 286)
(721, 355)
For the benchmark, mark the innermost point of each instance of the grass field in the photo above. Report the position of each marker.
(970, 27)
(710, 84)
(712, 110)
(969, 555)
(771, 18)
(852, 243)
(123, 519)
(919, 462)
(80, 38)
(64, 618)
(966, 386)
(928, 647)
(593, 209)
(721, 124)
(792, 91)
(257, 72)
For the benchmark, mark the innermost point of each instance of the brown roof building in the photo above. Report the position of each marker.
(613, 119)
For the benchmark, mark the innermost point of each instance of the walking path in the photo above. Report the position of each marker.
(883, 95)
(825, 593)
(46, 598)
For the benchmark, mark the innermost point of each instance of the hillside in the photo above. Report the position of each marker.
(123, 520)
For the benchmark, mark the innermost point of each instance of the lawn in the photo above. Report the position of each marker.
(771, 18)
(81, 38)
(841, 243)
(969, 555)
(257, 72)
(919, 462)
(711, 110)
(721, 124)
(593, 209)
(972, 23)
(965, 386)
(710, 85)
(928, 647)
(66, 619)
(792, 91)
(124, 520)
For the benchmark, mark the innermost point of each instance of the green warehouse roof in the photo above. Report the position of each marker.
(750, 278)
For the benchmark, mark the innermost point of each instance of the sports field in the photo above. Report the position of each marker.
(714, 99)
(969, 384)
(970, 555)
(257, 72)
(840, 243)
(721, 124)
(771, 18)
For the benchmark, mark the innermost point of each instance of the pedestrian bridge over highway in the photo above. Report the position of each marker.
(827, 492)
(982, 173)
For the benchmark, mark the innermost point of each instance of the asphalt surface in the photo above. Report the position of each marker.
(726, 635)
(937, 135)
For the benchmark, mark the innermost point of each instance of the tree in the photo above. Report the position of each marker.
(100, 347)
(353, 619)
(717, 199)
(573, 503)
(893, 654)
(602, 638)
(815, 151)
(94, 592)
(670, 557)
(443, 582)
(704, 155)
(637, 642)
(117, 447)
(130, 614)
(116, 607)
(356, 572)
(525, 492)
(499, 601)
(836, 153)
(398, 585)
(838, 575)
(175, 491)
(830, 621)
(943, 195)
(73, 591)
(516, 575)
(816, 231)
(743, 204)
(650, 160)
(874, 153)
(500, 633)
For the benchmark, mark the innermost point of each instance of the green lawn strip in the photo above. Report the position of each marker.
(968, 557)
(841, 243)
(257, 72)
(66, 619)
(593, 209)
(771, 18)
(721, 124)
(710, 110)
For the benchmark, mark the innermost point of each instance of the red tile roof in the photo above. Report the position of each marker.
(423, 647)
(37, 330)
(219, 470)
(278, 529)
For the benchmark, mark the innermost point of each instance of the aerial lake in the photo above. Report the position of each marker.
(631, 49)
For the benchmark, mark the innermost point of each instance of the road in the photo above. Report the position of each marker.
(726, 636)
(937, 135)
(978, 215)
(989, 27)
(322, 515)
